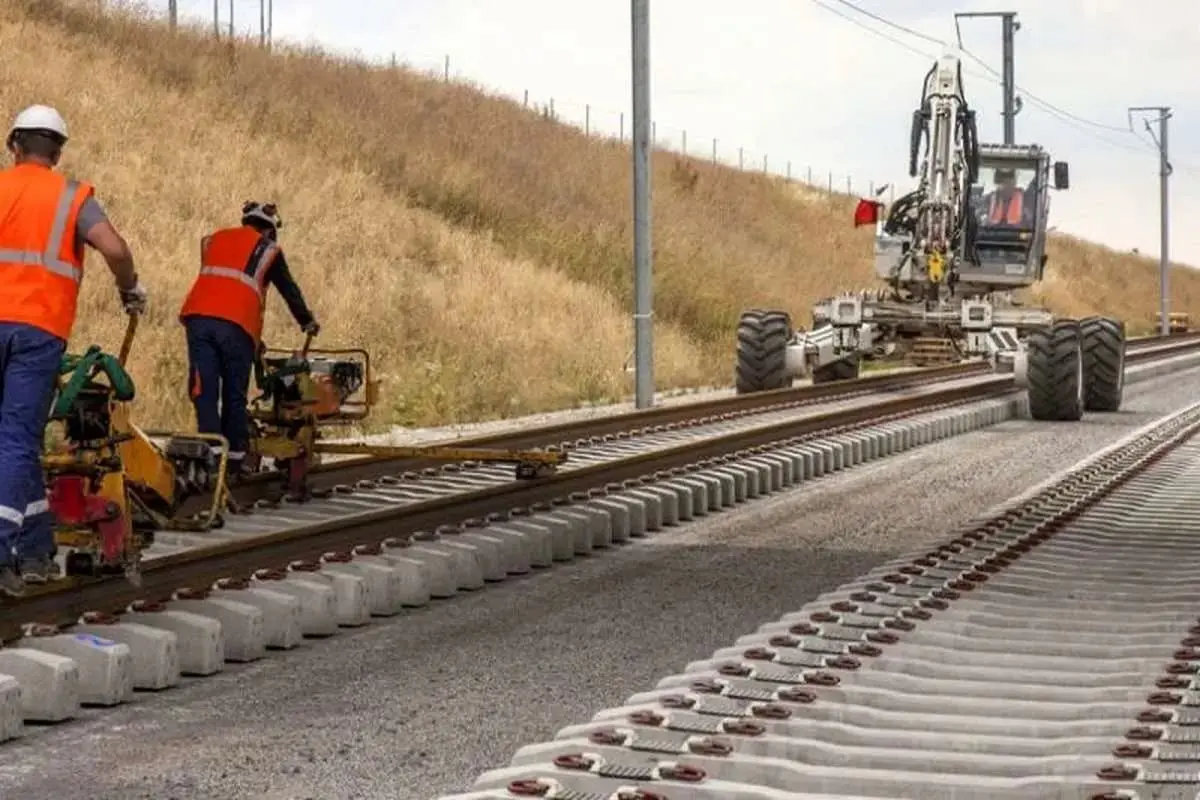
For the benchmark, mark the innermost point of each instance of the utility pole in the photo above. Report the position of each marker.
(231, 20)
(173, 13)
(262, 23)
(1164, 221)
(643, 343)
(1008, 27)
(217, 18)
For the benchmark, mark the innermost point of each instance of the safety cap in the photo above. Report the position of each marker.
(263, 212)
(40, 118)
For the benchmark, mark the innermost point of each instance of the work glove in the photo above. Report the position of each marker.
(312, 328)
(134, 300)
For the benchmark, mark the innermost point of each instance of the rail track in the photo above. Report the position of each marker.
(1049, 650)
(578, 433)
(395, 540)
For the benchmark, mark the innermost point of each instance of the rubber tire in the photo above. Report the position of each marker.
(1103, 363)
(1056, 384)
(762, 342)
(845, 370)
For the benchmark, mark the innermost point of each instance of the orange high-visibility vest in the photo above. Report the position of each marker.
(1011, 214)
(41, 268)
(234, 264)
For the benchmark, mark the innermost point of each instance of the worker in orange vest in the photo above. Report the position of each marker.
(223, 318)
(45, 220)
(1006, 205)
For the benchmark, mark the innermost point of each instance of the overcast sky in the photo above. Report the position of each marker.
(816, 83)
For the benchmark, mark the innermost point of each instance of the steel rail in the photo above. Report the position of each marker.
(565, 434)
(65, 601)
(566, 482)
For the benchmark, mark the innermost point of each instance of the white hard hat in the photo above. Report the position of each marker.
(39, 118)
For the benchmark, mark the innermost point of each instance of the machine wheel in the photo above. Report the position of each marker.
(1055, 372)
(762, 341)
(844, 370)
(1103, 363)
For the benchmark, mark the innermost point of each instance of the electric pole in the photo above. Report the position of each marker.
(217, 18)
(643, 344)
(1008, 28)
(1164, 220)
(173, 13)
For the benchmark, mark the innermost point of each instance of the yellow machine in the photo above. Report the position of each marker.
(304, 391)
(109, 486)
(1177, 321)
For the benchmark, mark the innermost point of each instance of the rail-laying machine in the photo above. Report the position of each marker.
(950, 275)
(111, 484)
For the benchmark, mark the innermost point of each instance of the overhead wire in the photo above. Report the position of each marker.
(1083, 124)
(894, 40)
(1088, 126)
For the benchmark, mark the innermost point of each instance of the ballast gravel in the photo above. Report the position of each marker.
(417, 706)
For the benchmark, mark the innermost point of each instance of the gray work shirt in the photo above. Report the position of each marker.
(91, 213)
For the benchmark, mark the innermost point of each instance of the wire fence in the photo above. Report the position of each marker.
(592, 120)
(617, 125)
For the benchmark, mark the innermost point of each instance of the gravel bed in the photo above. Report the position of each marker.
(417, 706)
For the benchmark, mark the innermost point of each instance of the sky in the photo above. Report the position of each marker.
(824, 86)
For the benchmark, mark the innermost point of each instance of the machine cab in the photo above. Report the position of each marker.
(1008, 206)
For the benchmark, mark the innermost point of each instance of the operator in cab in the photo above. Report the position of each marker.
(46, 219)
(1006, 206)
(223, 319)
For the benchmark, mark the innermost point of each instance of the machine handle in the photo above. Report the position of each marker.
(307, 344)
(127, 343)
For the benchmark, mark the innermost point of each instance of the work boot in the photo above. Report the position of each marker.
(40, 570)
(239, 470)
(11, 583)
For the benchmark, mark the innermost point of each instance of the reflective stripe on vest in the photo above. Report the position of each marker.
(48, 258)
(251, 274)
(41, 255)
(237, 275)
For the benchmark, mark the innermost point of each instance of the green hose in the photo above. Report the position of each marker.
(84, 370)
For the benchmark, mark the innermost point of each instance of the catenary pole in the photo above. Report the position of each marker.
(642, 265)
(1164, 208)
(1008, 28)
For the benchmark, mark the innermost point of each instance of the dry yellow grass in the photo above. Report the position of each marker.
(479, 251)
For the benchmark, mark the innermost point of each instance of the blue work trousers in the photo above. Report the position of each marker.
(220, 362)
(29, 364)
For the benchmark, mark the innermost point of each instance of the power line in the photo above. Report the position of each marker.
(869, 29)
(1045, 104)
(1082, 124)
(890, 24)
(1074, 120)
(894, 40)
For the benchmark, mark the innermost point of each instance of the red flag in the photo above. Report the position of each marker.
(867, 212)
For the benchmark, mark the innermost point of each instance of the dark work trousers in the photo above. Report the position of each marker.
(29, 364)
(220, 363)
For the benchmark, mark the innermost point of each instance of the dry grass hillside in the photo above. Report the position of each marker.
(479, 251)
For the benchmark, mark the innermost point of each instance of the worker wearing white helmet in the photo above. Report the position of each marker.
(223, 320)
(45, 221)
